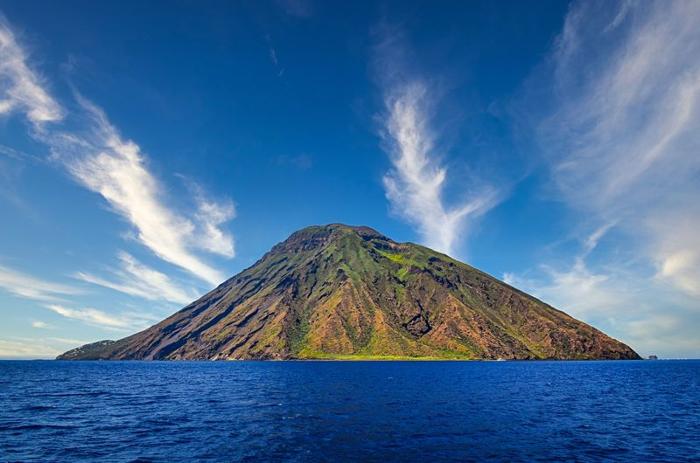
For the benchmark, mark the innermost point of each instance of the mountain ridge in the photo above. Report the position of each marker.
(348, 292)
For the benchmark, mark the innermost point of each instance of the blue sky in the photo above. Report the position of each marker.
(147, 152)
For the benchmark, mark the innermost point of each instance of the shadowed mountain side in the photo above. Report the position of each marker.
(341, 292)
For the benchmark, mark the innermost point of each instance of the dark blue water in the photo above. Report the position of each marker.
(333, 411)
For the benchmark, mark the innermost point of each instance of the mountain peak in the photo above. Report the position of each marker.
(341, 291)
(316, 236)
(338, 229)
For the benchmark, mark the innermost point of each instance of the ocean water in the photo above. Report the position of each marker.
(644, 411)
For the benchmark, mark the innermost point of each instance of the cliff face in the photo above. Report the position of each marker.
(348, 292)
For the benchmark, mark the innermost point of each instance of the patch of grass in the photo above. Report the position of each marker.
(406, 261)
(273, 337)
(400, 258)
(403, 273)
(365, 357)
(297, 335)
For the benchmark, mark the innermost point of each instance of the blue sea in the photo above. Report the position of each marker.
(643, 411)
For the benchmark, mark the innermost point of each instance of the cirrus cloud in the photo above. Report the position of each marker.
(22, 89)
(28, 287)
(119, 322)
(137, 279)
(416, 183)
(615, 111)
(100, 159)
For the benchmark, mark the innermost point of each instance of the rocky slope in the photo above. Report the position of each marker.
(341, 292)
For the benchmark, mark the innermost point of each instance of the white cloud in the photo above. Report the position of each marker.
(139, 280)
(28, 287)
(116, 169)
(619, 300)
(36, 348)
(101, 160)
(576, 290)
(676, 248)
(52, 294)
(622, 135)
(682, 268)
(665, 333)
(618, 125)
(71, 341)
(272, 52)
(27, 349)
(124, 321)
(20, 88)
(209, 217)
(579, 291)
(594, 238)
(416, 184)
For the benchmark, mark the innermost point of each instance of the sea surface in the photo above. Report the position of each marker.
(641, 411)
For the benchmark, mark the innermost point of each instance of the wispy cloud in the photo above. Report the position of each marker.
(611, 297)
(578, 290)
(99, 158)
(591, 242)
(139, 280)
(415, 185)
(666, 333)
(36, 347)
(20, 88)
(54, 295)
(629, 115)
(618, 127)
(28, 349)
(38, 324)
(624, 132)
(28, 287)
(209, 217)
(272, 52)
(122, 322)
(116, 169)
(675, 248)
(646, 316)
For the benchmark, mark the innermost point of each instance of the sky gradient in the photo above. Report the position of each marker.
(150, 151)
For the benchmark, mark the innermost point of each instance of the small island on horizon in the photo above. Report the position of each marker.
(340, 292)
